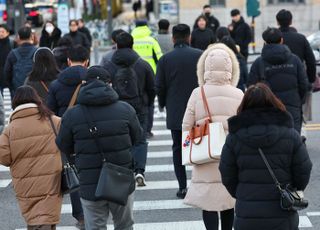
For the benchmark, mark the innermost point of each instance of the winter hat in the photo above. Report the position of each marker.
(218, 65)
(141, 23)
(99, 73)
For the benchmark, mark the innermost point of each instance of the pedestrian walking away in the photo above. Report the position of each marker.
(108, 56)
(118, 130)
(28, 147)
(262, 122)
(202, 36)
(163, 37)
(83, 29)
(212, 22)
(50, 35)
(218, 73)
(126, 65)
(61, 52)
(59, 98)
(240, 32)
(77, 37)
(20, 60)
(44, 71)
(283, 72)
(176, 78)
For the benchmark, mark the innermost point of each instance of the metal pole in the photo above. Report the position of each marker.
(253, 26)
(110, 17)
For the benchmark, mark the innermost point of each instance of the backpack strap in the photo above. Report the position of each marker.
(16, 54)
(44, 86)
(74, 97)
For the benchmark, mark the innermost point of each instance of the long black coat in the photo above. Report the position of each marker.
(299, 45)
(79, 38)
(241, 34)
(50, 41)
(62, 89)
(176, 78)
(118, 130)
(285, 75)
(201, 39)
(246, 177)
(5, 47)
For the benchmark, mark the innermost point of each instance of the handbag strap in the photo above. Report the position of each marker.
(44, 86)
(278, 185)
(74, 97)
(63, 155)
(205, 103)
(93, 130)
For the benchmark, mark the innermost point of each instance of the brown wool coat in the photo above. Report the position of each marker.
(218, 72)
(28, 147)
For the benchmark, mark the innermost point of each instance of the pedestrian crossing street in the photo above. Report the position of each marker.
(156, 206)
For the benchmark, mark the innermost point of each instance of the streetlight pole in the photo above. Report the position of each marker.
(110, 17)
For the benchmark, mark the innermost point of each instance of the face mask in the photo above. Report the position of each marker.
(49, 29)
(207, 14)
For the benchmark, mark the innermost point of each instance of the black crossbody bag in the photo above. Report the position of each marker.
(290, 199)
(115, 182)
(69, 177)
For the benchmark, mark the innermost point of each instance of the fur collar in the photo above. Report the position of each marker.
(235, 64)
(262, 116)
(22, 107)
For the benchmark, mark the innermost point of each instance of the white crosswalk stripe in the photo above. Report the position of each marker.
(162, 184)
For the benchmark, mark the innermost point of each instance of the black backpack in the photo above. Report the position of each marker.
(126, 84)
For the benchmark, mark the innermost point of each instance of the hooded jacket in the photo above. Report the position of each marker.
(241, 34)
(218, 72)
(246, 176)
(28, 147)
(146, 46)
(286, 76)
(62, 89)
(128, 57)
(50, 41)
(118, 130)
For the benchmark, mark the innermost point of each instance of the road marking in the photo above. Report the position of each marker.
(170, 184)
(160, 143)
(312, 125)
(163, 168)
(161, 154)
(4, 169)
(304, 222)
(313, 213)
(4, 183)
(161, 132)
(159, 123)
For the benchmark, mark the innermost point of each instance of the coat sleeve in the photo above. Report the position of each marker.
(51, 100)
(157, 49)
(301, 164)
(135, 128)
(302, 79)
(189, 118)
(228, 167)
(161, 87)
(310, 62)
(5, 153)
(64, 139)
(2, 114)
(248, 35)
(150, 88)
(8, 68)
(254, 74)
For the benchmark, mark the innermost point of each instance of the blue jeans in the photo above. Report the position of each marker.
(139, 151)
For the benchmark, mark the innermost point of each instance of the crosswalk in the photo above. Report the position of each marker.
(156, 206)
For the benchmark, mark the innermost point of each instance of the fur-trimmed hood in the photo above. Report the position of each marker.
(218, 65)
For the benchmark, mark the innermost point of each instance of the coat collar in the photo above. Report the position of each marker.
(260, 116)
(24, 110)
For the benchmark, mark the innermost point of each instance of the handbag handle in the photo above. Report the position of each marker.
(205, 103)
(277, 183)
(64, 158)
(202, 132)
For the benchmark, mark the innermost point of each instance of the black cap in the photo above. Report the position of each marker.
(272, 36)
(99, 73)
(141, 23)
(235, 12)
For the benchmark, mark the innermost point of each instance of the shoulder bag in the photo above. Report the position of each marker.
(74, 97)
(115, 182)
(69, 177)
(204, 142)
(290, 200)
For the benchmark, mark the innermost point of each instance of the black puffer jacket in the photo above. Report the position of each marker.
(118, 130)
(241, 34)
(62, 89)
(79, 38)
(285, 75)
(201, 39)
(246, 177)
(50, 41)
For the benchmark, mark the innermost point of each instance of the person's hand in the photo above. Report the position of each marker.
(230, 27)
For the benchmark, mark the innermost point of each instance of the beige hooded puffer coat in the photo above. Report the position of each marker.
(218, 71)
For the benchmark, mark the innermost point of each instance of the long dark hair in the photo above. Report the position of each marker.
(228, 41)
(201, 17)
(260, 96)
(45, 67)
(26, 94)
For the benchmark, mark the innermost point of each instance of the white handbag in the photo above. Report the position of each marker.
(204, 142)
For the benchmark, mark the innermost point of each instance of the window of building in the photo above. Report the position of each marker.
(285, 1)
(218, 2)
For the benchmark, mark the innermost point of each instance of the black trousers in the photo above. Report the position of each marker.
(179, 169)
(211, 219)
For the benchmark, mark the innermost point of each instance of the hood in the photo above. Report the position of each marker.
(275, 53)
(24, 110)
(218, 65)
(96, 93)
(124, 57)
(72, 75)
(259, 127)
(141, 32)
